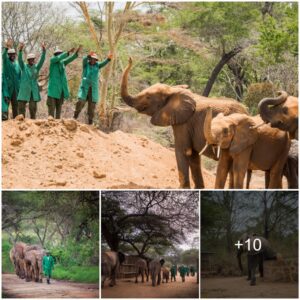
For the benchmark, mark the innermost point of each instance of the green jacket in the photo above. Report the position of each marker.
(173, 270)
(182, 271)
(29, 79)
(90, 78)
(48, 265)
(4, 95)
(11, 74)
(58, 82)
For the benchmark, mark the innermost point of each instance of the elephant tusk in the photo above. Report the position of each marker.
(219, 150)
(202, 151)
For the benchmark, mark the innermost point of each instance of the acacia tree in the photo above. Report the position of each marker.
(148, 219)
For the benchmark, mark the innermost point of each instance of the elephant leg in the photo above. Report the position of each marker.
(261, 266)
(231, 184)
(113, 278)
(195, 165)
(136, 277)
(249, 175)
(240, 167)
(248, 268)
(223, 168)
(267, 179)
(142, 276)
(153, 279)
(253, 260)
(158, 278)
(183, 169)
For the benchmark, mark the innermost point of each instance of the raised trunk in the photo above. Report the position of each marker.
(129, 100)
(263, 106)
(207, 127)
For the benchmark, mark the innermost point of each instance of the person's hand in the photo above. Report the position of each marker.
(79, 49)
(43, 45)
(21, 46)
(9, 43)
(110, 55)
(71, 50)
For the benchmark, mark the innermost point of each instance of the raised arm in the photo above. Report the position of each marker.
(105, 62)
(72, 57)
(42, 58)
(4, 57)
(55, 59)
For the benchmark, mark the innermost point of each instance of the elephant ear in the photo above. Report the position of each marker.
(245, 136)
(178, 109)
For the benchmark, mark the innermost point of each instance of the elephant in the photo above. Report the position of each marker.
(141, 269)
(282, 114)
(30, 265)
(185, 111)
(255, 255)
(290, 169)
(110, 262)
(39, 254)
(165, 274)
(245, 145)
(17, 257)
(155, 270)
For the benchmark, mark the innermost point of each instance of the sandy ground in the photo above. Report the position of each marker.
(66, 154)
(14, 287)
(239, 287)
(127, 288)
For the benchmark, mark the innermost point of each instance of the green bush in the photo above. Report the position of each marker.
(7, 266)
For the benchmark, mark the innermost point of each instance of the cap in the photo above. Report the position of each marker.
(30, 56)
(57, 50)
(11, 51)
(93, 55)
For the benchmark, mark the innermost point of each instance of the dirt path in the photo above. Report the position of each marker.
(239, 287)
(128, 289)
(14, 287)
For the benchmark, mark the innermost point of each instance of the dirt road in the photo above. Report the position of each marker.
(239, 287)
(126, 288)
(14, 287)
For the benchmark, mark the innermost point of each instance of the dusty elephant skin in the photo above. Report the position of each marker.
(281, 112)
(245, 144)
(155, 271)
(185, 111)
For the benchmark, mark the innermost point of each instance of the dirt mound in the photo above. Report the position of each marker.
(64, 154)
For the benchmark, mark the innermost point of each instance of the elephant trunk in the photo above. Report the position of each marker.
(263, 106)
(129, 100)
(207, 127)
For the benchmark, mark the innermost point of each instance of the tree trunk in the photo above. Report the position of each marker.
(225, 58)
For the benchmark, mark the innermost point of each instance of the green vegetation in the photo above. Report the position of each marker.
(66, 223)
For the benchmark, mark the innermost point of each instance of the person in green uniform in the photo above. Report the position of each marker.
(5, 100)
(173, 272)
(187, 271)
(29, 89)
(11, 76)
(182, 271)
(88, 90)
(58, 89)
(48, 266)
(192, 270)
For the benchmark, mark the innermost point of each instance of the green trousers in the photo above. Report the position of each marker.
(55, 105)
(91, 106)
(32, 108)
(14, 104)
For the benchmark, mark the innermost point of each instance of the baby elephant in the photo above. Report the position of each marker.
(165, 274)
(155, 270)
(141, 269)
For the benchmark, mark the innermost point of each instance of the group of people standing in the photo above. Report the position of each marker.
(183, 271)
(20, 81)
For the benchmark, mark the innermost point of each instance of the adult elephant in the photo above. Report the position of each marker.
(257, 250)
(155, 271)
(17, 257)
(185, 112)
(141, 269)
(30, 265)
(110, 262)
(246, 146)
(281, 112)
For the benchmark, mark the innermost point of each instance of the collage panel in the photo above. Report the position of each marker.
(149, 244)
(50, 244)
(249, 244)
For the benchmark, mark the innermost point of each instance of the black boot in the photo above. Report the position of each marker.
(48, 280)
(90, 122)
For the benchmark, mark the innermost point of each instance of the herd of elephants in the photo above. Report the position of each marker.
(223, 129)
(28, 261)
(145, 267)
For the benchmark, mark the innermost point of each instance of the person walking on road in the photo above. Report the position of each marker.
(29, 88)
(173, 273)
(182, 271)
(11, 76)
(58, 88)
(89, 87)
(48, 266)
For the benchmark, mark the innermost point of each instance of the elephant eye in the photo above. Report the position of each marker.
(225, 131)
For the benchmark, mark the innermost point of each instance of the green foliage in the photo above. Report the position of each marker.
(7, 266)
(77, 273)
(256, 92)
